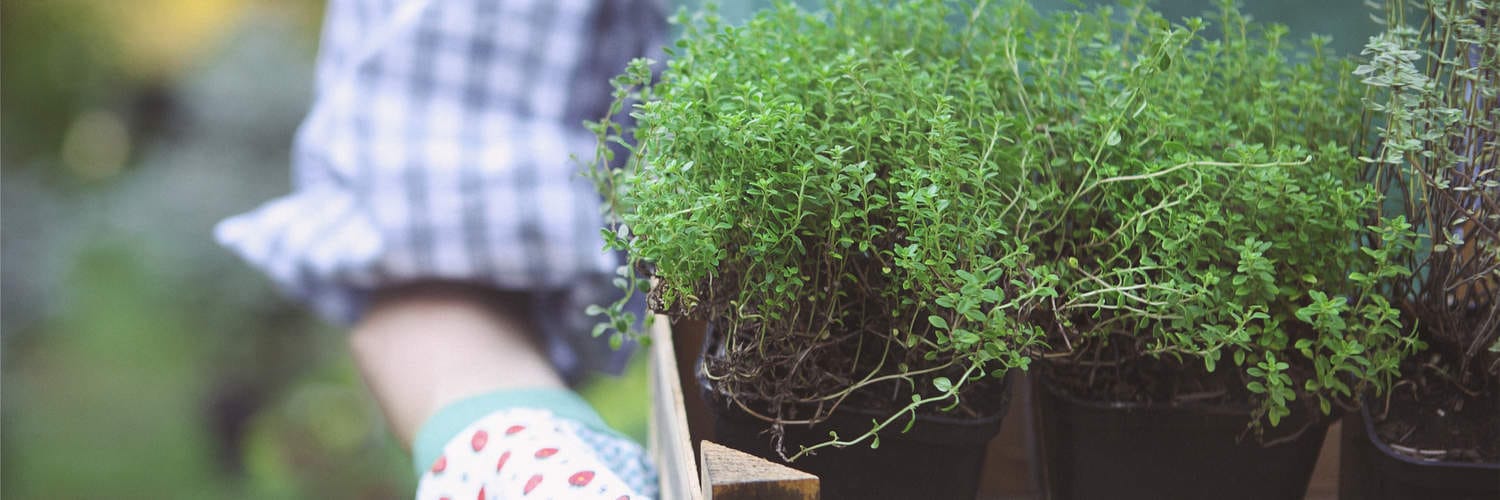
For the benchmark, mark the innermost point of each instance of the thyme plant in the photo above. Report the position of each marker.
(888, 203)
(1432, 100)
(1212, 214)
(835, 194)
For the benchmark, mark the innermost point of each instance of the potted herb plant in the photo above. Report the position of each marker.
(1214, 306)
(1433, 105)
(832, 193)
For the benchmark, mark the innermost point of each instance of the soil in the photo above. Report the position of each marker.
(1438, 421)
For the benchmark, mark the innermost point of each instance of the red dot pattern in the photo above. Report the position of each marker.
(520, 456)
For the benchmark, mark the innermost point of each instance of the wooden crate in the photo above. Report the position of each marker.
(721, 473)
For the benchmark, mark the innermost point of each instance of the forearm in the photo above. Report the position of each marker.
(423, 346)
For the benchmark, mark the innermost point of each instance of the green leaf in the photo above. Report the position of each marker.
(965, 337)
(942, 384)
(938, 321)
(1275, 417)
(1305, 347)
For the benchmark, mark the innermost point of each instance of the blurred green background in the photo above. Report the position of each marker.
(139, 359)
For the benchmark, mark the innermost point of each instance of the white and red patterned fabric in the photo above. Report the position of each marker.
(525, 453)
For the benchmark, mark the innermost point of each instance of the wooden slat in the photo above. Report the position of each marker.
(669, 442)
(1325, 478)
(1008, 473)
(730, 474)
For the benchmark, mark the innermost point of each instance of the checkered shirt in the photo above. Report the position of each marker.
(438, 147)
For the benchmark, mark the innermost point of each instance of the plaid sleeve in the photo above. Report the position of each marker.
(438, 147)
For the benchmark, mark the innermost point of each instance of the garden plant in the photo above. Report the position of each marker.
(836, 194)
(1432, 96)
(889, 205)
(1213, 205)
(1212, 214)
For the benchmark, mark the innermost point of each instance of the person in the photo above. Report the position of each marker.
(436, 209)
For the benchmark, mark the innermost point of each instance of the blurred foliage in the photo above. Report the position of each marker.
(140, 360)
(63, 58)
(53, 61)
(109, 403)
(121, 399)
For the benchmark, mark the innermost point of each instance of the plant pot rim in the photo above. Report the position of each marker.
(852, 410)
(1144, 451)
(1148, 406)
(1368, 421)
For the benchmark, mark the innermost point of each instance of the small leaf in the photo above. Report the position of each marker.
(965, 337)
(942, 384)
(938, 321)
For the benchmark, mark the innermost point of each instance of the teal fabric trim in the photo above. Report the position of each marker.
(452, 419)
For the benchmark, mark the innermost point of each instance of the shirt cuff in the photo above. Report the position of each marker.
(452, 419)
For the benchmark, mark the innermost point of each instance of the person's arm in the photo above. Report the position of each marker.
(437, 152)
(424, 346)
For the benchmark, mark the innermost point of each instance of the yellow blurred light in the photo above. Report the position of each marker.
(158, 38)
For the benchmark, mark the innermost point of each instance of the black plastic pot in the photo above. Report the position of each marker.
(939, 458)
(1370, 470)
(1112, 450)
